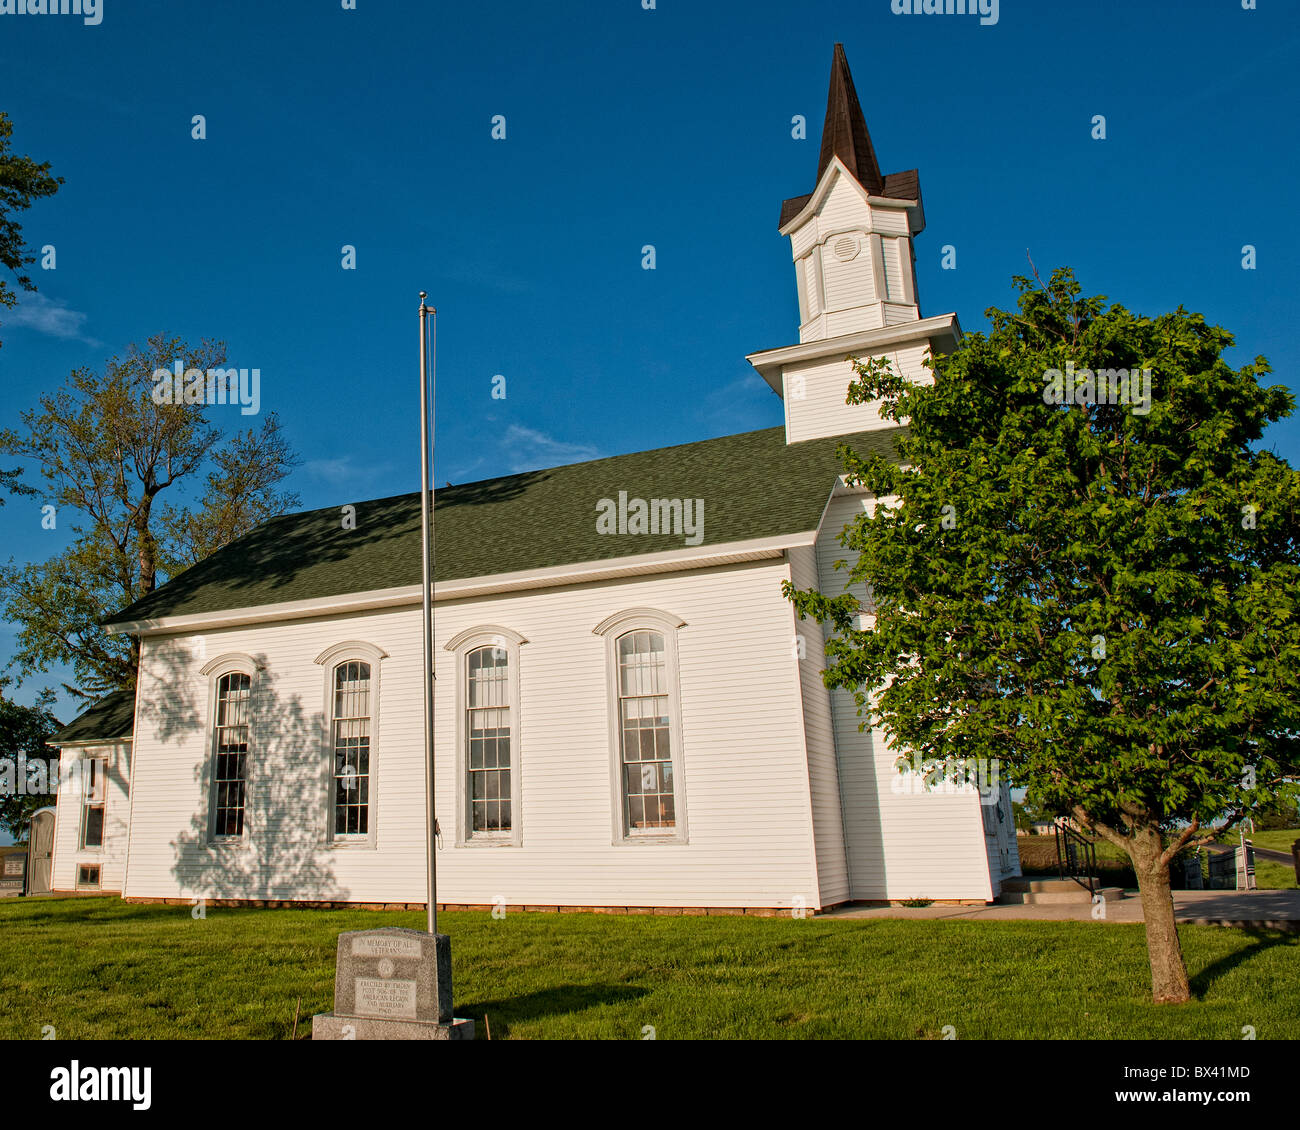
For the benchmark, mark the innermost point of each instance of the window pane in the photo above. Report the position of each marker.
(487, 727)
(352, 690)
(230, 762)
(641, 664)
(95, 826)
(644, 728)
(352, 748)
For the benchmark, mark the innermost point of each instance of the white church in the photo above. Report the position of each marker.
(629, 715)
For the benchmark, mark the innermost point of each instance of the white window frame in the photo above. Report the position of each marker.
(460, 645)
(230, 663)
(331, 659)
(612, 629)
(89, 801)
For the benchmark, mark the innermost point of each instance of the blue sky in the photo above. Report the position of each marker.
(624, 127)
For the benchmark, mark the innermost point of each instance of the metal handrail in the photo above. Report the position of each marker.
(1071, 848)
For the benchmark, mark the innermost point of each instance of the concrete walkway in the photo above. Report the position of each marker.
(1278, 910)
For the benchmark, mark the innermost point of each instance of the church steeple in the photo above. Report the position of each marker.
(844, 134)
(855, 275)
(852, 235)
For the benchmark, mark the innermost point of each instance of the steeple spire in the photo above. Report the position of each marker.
(845, 133)
(855, 275)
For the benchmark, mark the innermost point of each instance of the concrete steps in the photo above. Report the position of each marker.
(1050, 892)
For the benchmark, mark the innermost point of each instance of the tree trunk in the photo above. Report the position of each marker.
(147, 551)
(1168, 970)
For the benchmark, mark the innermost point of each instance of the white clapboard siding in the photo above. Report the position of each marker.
(853, 292)
(849, 283)
(902, 842)
(68, 852)
(821, 410)
(842, 209)
(837, 323)
(803, 240)
(810, 282)
(1000, 834)
(841, 296)
(823, 773)
(890, 221)
(892, 249)
(744, 763)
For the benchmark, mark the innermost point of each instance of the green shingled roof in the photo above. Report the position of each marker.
(111, 717)
(754, 485)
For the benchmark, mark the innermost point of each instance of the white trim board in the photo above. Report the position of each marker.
(670, 561)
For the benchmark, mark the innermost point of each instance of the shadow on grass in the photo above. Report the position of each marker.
(98, 909)
(546, 1002)
(1262, 940)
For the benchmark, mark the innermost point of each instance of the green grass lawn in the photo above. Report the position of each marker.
(1269, 874)
(1279, 839)
(96, 968)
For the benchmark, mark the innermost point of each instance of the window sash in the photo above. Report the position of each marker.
(351, 749)
(488, 741)
(230, 755)
(92, 826)
(644, 729)
(92, 806)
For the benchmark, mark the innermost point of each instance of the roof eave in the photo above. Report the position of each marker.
(942, 332)
(87, 743)
(915, 209)
(581, 572)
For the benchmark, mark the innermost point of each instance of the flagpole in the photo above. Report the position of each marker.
(426, 543)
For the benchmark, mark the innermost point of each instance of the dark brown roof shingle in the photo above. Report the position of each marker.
(845, 135)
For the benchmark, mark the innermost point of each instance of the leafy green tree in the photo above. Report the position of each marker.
(153, 488)
(1282, 812)
(24, 730)
(1028, 814)
(1100, 596)
(12, 482)
(22, 181)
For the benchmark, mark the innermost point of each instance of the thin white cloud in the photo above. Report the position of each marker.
(343, 471)
(50, 317)
(741, 405)
(529, 450)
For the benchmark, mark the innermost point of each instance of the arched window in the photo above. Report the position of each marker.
(351, 740)
(349, 735)
(646, 725)
(644, 741)
(487, 658)
(487, 715)
(230, 754)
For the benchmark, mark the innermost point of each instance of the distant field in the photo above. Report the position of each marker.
(1038, 857)
(1277, 840)
(101, 969)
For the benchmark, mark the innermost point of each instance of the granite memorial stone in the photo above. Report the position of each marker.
(392, 984)
(13, 869)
